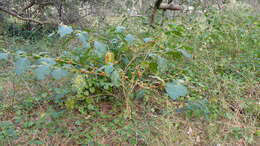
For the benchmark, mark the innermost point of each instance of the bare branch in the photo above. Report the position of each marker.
(171, 7)
(156, 7)
(164, 6)
(24, 19)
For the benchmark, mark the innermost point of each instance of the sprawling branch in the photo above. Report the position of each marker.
(24, 19)
(156, 7)
(164, 6)
(171, 6)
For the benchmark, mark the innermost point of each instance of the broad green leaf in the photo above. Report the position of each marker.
(100, 48)
(60, 92)
(125, 59)
(83, 37)
(175, 90)
(42, 72)
(3, 56)
(197, 107)
(68, 66)
(130, 38)
(20, 52)
(185, 53)
(64, 30)
(77, 50)
(109, 69)
(22, 65)
(115, 77)
(86, 45)
(120, 29)
(114, 41)
(59, 74)
(162, 64)
(140, 94)
(146, 40)
(48, 61)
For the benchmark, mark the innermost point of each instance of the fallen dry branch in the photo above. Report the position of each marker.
(171, 6)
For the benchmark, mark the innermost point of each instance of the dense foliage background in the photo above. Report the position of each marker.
(99, 73)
